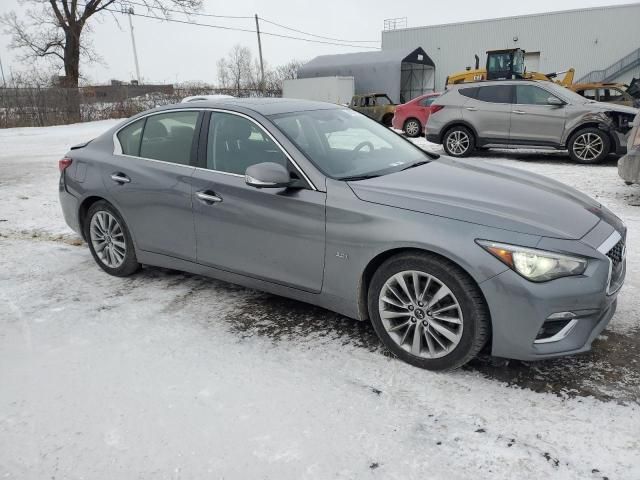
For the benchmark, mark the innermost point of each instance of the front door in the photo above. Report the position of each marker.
(149, 180)
(276, 235)
(533, 120)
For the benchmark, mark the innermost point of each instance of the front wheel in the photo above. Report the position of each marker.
(428, 311)
(459, 142)
(110, 241)
(589, 146)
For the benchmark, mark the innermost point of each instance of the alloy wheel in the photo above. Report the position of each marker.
(412, 128)
(421, 314)
(588, 146)
(458, 142)
(107, 239)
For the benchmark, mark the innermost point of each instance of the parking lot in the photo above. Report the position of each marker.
(173, 375)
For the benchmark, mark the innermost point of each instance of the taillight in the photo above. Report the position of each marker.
(436, 108)
(64, 163)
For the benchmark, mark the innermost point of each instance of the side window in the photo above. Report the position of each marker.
(130, 136)
(531, 95)
(235, 143)
(469, 92)
(495, 94)
(169, 136)
(588, 94)
(383, 100)
(611, 95)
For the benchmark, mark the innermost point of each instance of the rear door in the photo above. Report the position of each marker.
(149, 180)
(271, 234)
(489, 112)
(533, 120)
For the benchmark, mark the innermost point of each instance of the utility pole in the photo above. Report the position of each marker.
(262, 85)
(4, 81)
(133, 43)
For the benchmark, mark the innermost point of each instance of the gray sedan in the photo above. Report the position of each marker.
(319, 203)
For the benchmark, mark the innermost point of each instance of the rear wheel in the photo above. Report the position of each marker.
(458, 142)
(412, 127)
(109, 240)
(589, 146)
(427, 311)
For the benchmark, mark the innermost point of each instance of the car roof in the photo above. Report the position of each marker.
(597, 85)
(263, 106)
(479, 83)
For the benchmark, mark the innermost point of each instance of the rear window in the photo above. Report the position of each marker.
(495, 94)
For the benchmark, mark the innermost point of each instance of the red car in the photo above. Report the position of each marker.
(411, 117)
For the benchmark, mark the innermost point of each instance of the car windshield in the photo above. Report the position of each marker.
(346, 145)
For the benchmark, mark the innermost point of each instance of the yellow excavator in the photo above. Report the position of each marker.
(506, 65)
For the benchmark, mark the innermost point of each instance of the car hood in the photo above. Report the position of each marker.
(486, 194)
(612, 107)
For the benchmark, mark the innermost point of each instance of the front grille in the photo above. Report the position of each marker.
(616, 254)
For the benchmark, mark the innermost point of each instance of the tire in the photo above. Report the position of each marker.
(458, 142)
(395, 320)
(589, 146)
(118, 256)
(387, 120)
(412, 127)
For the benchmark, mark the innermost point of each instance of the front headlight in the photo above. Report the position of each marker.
(535, 265)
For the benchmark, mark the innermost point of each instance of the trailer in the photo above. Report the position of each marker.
(323, 89)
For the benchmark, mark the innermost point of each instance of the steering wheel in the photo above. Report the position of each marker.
(361, 145)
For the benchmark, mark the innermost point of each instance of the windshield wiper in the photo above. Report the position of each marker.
(413, 165)
(359, 177)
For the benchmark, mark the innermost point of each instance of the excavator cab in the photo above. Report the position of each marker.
(505, 64)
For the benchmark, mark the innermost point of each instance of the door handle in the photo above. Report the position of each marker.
(471, 109)
(120, 178)
(519, 112)
(208, 197)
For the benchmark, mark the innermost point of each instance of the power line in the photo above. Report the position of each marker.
(211, 15)
(150, 7)
(237, 29)
(317, 36)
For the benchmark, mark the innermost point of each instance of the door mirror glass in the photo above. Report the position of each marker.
(554, 101)
(267, 175)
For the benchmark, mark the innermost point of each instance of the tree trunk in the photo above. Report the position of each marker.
(72, 70)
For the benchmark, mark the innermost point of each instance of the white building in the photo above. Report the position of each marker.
(601, 43)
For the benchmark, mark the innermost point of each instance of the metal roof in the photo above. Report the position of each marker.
(382, 57)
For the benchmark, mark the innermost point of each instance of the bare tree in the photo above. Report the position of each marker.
(56, 29)
(236, 70)
(288, 71)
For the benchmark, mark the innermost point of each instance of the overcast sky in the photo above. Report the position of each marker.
(170, 52)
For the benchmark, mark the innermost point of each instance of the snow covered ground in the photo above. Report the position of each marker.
(165, 375)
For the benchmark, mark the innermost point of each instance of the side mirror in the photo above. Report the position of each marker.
(555, 101)
(267, 175)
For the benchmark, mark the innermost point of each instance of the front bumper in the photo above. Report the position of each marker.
(519, 309)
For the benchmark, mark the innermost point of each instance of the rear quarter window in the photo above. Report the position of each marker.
(130, 136)
(471, 92)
